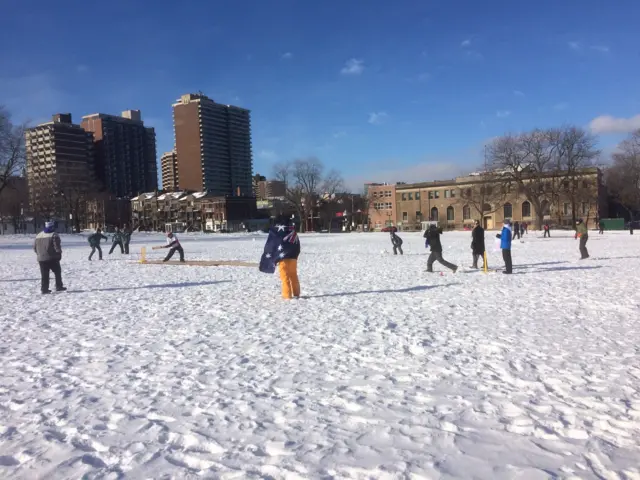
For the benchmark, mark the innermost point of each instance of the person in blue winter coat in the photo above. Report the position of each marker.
(505, 245)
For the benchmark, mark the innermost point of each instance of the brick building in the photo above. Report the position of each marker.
(456, 203)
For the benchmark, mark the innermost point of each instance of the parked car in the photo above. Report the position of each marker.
(389, 229)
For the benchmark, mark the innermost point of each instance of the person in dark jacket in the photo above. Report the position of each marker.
(505, 245)
(601, 226)
(49, 251)
(117, 241)
(583, 234)
(477, 244)
(516, 230)
(94, 243)
(126, 238)
(547, 230)
(174, 244)
(526, 227)
(396, 241)
(281, 251)
(432, 234)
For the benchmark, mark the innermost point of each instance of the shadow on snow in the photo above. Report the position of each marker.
(389, 290)
(164, 285)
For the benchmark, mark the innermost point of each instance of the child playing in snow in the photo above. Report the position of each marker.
(282, 249)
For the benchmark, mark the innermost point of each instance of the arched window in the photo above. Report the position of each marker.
(466, 213)
(486, 207)
(508, 210)
(546, 208)
(451, 215)
(526, 209)
(434, 214)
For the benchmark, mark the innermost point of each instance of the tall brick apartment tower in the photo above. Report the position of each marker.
(213, 146)
(59, 158)
(125, 152)
(169, 166)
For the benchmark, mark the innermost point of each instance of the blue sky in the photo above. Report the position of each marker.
(381, 90)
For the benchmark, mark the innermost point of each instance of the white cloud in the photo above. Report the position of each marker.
(267, 155)
(600, 48)
(561, 106)
(376, 118)
(287, 56)
(575, 45)
(82, 69)
(518, 93)
(466, 43)
(609, 124)
(503, 113)
(353, 66)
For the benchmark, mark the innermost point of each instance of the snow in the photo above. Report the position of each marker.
(382, 371)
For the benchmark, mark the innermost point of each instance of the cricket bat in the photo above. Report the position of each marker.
(157, 247)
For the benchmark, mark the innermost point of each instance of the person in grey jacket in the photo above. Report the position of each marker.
(49, 251)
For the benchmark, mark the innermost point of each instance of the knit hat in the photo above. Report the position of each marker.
(507, 221)
(49, 224)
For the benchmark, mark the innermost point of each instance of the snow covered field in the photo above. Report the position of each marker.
(383, 371)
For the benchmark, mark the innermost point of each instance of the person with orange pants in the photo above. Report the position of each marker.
(282, 250)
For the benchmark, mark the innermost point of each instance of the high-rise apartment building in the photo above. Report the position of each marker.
(125, 152)
(213, 146)
(169, 166)
(59, 159)
(270, 189)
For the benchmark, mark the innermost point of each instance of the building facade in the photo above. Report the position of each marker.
(270, 189)
(213, 146)
(455, 204)
(381, 198)
(60, 163)
(125, 152)
(169, 166)
(193, 211)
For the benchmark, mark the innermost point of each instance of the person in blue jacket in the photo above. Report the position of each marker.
(282, 250)
(505, 245)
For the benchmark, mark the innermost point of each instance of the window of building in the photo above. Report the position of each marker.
(486, 207)
(526, 209)
(417, 195)
(405, 216)
(404, 196)
(466, 212)
(585, 208)
(436, 194)
(507, 210)
(410, 196)
(453, 193)
(418, 215)
(447, 194)
(388, 205)
(434, 214)
(566, 208)
(546, 208)
(451, 216)
(387, 193)
(431, 195)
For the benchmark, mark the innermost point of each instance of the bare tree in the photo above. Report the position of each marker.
(12, 151)
(305, 184)
(527, 162)
(576, 151)
(623, 177)
(485, 196)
